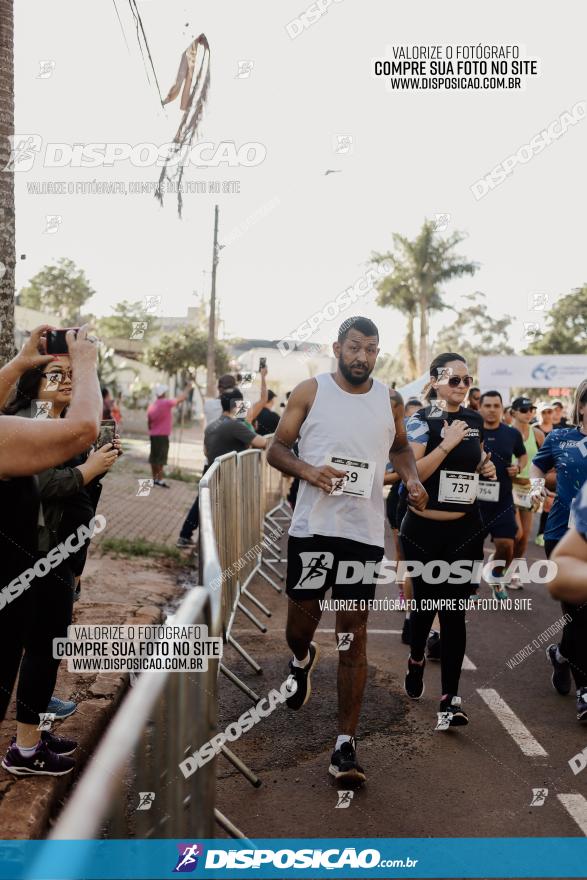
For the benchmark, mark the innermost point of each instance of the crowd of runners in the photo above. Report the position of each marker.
(463, 469)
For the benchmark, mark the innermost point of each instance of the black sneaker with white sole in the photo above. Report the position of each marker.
(582, 704)
(561, 672)
(414, 680)
(299, 682)
(452, 712)
(60, 745)
(344, 765)
(42, 762)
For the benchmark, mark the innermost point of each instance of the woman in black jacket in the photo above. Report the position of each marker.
(69, 494)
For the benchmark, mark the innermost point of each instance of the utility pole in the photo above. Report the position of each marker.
(210, 366)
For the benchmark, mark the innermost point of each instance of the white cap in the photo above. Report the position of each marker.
(160, 389)
(543, 406)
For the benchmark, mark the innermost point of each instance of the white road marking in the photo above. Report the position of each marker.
(576, 806)
(468, 664)
(516, 729)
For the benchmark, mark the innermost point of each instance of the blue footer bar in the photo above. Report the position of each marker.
(368, 858)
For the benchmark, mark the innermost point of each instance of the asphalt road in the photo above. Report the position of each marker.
(476, 781)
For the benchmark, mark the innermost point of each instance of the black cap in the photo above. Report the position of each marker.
(519, 402)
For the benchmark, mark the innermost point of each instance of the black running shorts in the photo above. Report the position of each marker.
(320, 563)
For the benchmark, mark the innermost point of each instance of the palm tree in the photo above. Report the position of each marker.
(397, 291)
(413, 287)
(7, 226)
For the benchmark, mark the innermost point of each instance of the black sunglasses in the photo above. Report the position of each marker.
(526, 409)
(455, 381)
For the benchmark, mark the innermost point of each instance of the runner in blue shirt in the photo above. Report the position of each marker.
(570, 555)
(565, 449)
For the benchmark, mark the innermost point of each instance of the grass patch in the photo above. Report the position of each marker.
(178, 473)
(140, 547)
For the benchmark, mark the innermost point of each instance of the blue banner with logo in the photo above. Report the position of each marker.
(283, 858)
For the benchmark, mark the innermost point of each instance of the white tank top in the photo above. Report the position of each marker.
(360, 429)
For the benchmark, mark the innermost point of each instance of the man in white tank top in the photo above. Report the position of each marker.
(349, 426)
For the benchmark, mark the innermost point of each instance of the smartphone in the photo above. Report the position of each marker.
(56, 342)
(262, 363)
(107, 432)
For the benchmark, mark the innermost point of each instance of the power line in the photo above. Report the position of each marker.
(121, 27)
(139, 24)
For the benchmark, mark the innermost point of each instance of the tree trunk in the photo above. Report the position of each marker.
(7, 225)
(411, 349)
(423, 352)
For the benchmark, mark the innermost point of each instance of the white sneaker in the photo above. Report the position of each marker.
(515, 583)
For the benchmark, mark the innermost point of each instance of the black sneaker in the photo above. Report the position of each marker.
(43, 762)
(561, 672)
(185, 542)
(406, 631)
(298, 682)
(451, 713)
(344, 765)
(433, 645)
(582, 704)
(414, 680)
(60, 745)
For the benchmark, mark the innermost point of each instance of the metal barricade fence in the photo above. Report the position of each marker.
(221, 479)
(168, 715)
(277, 514)
(239, 502)
(163, 713)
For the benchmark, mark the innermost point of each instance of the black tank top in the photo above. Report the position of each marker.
(465, 457)
(19, 514)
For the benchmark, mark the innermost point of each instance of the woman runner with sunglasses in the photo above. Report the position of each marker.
(566, 450)
(447, 441)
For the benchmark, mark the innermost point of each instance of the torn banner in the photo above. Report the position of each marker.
(194, 76)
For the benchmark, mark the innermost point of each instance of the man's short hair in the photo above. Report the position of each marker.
(271, 395)
(363, 325)
(413, 401)
(491, 394)
(227, 381)
(473, 388)
(227, 398)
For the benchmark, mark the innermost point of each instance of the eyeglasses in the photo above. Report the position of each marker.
(455, 381)
(525, 409)
(58, 376)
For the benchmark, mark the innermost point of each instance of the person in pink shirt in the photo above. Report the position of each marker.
(160, 420)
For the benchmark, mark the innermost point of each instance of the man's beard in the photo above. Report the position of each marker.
(353, 378)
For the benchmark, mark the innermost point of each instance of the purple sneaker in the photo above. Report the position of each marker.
(60, 745)
(43, 762)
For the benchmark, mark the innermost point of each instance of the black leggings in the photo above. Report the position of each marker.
(33, 619)
(573, 644)
(425, 540)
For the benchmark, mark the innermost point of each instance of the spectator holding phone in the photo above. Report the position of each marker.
(29, 446)
(212, 407)
(160, 420)
(267, 420)
(226, 434)
(69, 496)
